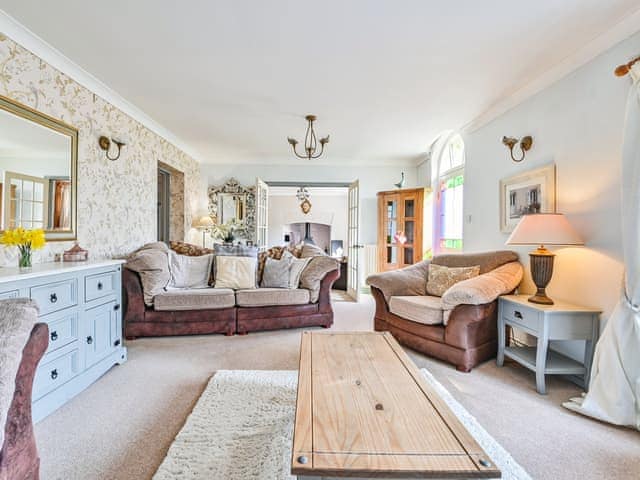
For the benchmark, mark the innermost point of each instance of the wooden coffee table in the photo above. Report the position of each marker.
(365, 411)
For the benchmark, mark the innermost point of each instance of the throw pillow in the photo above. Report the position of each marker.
(277, 253)
(276, 272)
(441, 278)
(313, 274)
(310, 250)
(151, 263)
(235, 272)
(297, 267)
(189, 271)
(184, 248)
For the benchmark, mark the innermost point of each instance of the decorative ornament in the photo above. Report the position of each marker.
(305, 206)
(400, 237)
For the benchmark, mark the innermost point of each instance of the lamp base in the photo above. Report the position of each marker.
(541, 261)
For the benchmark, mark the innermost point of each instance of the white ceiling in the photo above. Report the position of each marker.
(233, 79)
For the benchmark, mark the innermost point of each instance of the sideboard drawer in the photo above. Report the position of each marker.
(100, 285)
(9, 294)
(55, 296)
(63, 331)
(523, 316)
(54, 373)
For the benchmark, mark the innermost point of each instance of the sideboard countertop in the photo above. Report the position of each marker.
(14, 274)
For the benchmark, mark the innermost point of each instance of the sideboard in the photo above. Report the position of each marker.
(81, 303)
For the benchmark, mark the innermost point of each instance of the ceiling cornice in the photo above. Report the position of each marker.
(629, 25)
(13, 29)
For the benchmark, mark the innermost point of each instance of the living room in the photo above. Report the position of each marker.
(163, 330)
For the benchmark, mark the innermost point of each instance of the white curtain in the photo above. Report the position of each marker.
(614, 391)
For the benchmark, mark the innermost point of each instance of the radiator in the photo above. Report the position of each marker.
(370, 261)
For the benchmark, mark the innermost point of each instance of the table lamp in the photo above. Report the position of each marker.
(203, 223)
(543, 229)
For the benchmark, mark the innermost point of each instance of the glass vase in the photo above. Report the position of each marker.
(24, 261)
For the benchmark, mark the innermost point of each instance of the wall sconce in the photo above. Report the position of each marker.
(105, 143)
(525, 145)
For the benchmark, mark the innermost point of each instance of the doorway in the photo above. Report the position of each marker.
(170, 206)
(164, 205)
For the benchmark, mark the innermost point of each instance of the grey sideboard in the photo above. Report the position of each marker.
(81, 303)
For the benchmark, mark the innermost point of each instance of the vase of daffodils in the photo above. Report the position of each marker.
(27, 241)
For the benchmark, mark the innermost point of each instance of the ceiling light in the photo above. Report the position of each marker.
(310, 141)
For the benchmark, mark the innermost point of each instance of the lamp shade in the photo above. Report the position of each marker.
(544, 229)
(203, 222)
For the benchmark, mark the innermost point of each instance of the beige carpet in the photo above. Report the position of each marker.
(122, 426)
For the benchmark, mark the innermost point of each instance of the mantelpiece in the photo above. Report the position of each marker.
(81, 303)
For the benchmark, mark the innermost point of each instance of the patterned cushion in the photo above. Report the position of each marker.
(189, 249)
(441, 278)
(275, 253)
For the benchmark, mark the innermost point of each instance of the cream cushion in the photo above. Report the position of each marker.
(441, 278)
(236, 272)
(195, 299)
(297, 267)
(262, 297)
(425, 309)
(189, 272)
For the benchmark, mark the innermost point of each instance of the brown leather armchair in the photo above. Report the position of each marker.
(19, 458)
(468, 334)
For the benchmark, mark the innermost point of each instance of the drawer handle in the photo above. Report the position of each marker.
(54, 336)
(517, 314)
(116, 307)
(89, 340)
(53, 298)
(54, 374)
(100, 285)
(116, 343)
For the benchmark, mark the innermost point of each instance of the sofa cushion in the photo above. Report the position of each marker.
(314, 272)
(261, 297)
(235, 272)
(151, 262)
(311, 250)
(189, 271)
(276, 272)
(195, 299)
(487, 261)
(276, 253)
(297, 267)
(423, 309)
(442, 278)
(184, 248)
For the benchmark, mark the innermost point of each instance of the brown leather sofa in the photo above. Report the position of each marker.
(144, 321)
(19, 458)
(470, 335)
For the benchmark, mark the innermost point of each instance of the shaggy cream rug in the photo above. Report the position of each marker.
(242, 426)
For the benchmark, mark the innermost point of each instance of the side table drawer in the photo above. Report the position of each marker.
(54, 373)
(9, 294)
(63, 331)
(55, 296)
(100, 285)
(523, 316)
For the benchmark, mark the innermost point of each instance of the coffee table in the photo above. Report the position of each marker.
(365, 411)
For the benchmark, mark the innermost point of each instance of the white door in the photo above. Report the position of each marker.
(262, 208)
(353, 242)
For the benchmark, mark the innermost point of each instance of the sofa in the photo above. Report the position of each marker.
(458, 327)
(225, 310)
(21, 348)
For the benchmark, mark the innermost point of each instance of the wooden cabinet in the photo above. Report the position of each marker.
(80, 302)
(404, 234)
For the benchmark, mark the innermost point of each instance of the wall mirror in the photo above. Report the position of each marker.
(231, 206)
(233, 201)
(38, 171)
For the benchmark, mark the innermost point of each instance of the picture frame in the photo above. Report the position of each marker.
(533, 191)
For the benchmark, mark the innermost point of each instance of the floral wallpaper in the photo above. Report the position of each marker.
(116, 200)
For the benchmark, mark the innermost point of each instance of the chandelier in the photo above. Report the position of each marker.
(310, 141)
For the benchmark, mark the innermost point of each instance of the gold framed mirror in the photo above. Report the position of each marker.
(38, 171)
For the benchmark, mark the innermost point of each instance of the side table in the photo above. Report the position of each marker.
(561, 321)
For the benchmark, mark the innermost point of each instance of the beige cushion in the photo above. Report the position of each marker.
(485, 288)
(276, 272)
(189, 271)
(297, 267)
(236, 272)
(151, 263)
(195, 299)
(310, 250)
(423, 309)
(261, 297)
(442, 278)
(314, 272)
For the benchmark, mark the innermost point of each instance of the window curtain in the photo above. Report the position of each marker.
(614, 391)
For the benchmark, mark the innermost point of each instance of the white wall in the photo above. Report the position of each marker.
(372, 180)
(285, 209)
(578, 124)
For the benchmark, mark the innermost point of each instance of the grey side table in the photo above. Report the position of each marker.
(562, 321)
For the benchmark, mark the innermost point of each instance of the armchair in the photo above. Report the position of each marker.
(461, 326)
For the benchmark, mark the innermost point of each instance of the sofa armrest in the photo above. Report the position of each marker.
(406, 281)
(470, 326)
(484, 288)
(324, 298)
(132, 296)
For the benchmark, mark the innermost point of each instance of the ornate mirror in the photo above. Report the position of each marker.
(38, 170)
(232, 201)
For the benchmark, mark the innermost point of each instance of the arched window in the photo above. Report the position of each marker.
(449, 195)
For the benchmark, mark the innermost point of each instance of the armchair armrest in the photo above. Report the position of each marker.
(484, 288)
(406, 281)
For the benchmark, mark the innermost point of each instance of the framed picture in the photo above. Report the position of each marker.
(529, 192)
